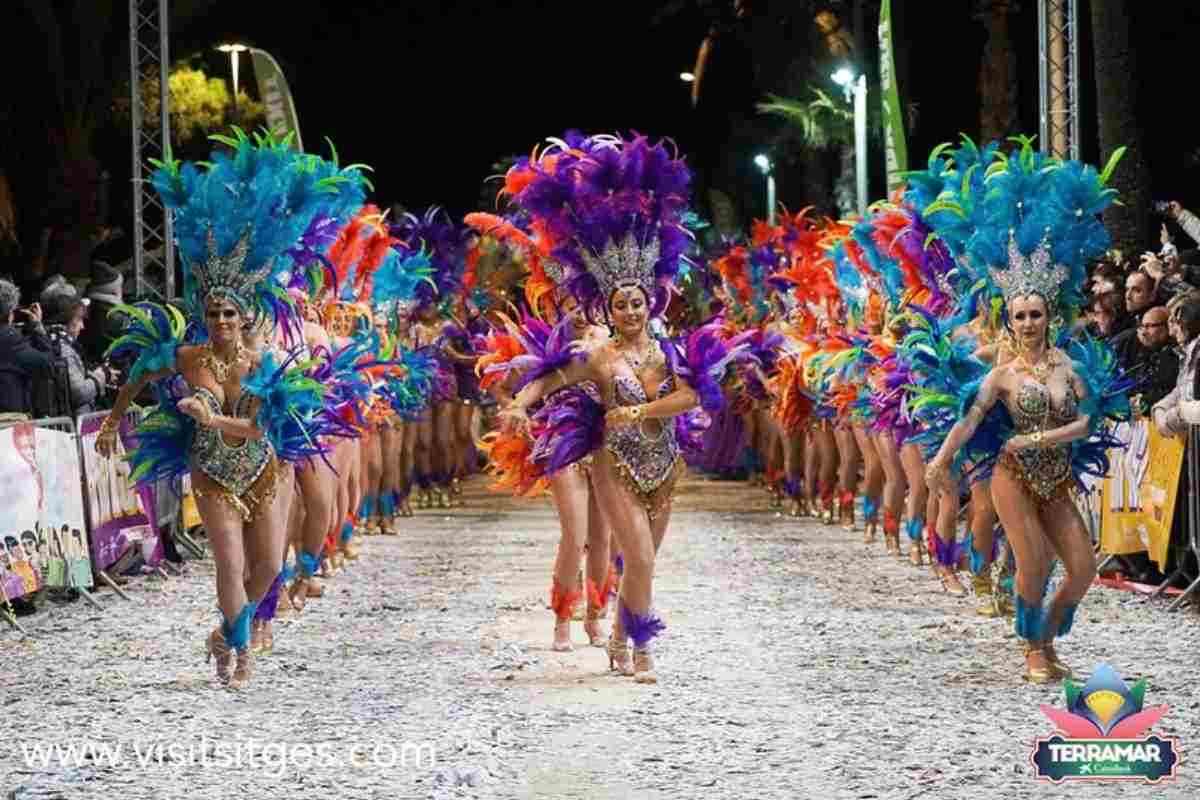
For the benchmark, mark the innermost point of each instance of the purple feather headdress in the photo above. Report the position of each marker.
(614, 208)
(444, 242)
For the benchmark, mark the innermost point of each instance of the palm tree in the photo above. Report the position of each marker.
(1116, 103)
(824, 126)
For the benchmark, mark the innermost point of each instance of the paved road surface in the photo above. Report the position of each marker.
(798, 662)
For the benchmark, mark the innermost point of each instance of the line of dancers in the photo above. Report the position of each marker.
(328, 363)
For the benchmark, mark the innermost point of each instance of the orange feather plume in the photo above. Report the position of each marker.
(510, 466)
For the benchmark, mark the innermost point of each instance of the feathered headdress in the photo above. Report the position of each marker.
(613, 209)
(238, 218)
(446, 245)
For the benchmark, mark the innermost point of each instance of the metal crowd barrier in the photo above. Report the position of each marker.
(1191, 457)
(57, 548)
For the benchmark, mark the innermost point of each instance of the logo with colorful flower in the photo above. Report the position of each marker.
(1101, 734)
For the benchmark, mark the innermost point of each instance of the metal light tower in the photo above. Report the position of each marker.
(1058, 77)
(153, 248)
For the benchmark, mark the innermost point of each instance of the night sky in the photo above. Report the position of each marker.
(432, 93)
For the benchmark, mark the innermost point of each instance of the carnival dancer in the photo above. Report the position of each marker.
(1031, 227)
(227, 414)
(614, 208)
(517, 356)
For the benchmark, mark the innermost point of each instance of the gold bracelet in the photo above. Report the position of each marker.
(1036, 437)
(636, 412)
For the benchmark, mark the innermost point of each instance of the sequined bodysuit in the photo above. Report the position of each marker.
(245, 472)
(649, 464)
(1046, 470)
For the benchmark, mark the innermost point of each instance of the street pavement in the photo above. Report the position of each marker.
(797, 662)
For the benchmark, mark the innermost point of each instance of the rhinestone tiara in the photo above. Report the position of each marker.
(626, 264)
(1035, 273)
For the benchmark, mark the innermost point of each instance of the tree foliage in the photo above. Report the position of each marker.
(199, 105)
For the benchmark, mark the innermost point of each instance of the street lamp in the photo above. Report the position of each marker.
(844, 77)
(234, 50)
(687, 77)
(765, 165)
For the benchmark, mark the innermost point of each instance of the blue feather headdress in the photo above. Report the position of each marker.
(238, 219)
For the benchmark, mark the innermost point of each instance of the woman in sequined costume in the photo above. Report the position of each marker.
(613, 208)
(235, 418)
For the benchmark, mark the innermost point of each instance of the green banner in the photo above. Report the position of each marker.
(893, 115)
(276, 96)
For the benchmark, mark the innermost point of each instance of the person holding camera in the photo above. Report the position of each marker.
(73, 390)
(24, 353)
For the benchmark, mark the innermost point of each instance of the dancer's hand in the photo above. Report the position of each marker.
(195, 409)
(937, 475)
(514, 418)
(1018, 443)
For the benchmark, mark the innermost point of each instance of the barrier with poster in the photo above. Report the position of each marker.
(122, 519)
(1139, 495)
(43, 532)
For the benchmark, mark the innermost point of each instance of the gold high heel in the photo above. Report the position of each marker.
(222, 653)
(950, 582)
(1060, 669)
(298, 593)
(982, 586)
(869, 530)
(591, 626)
(443, 499)
(424, 499)
(456, 486)
(350, 550)
(256, 636)
(618, 657)
(891, 542)
(243, 670)
(1037, 665)
(562, 637)
(916, 554)
(643, 666)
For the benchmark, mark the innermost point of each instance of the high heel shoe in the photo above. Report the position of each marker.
(591, 626)
(869, 531)
(298, 593)
(643, 666)
(618, 657)
(916, 554)
(406, 509)
(268, 638)
(256, 636)
(443, 498)
(243, 670)
(950, 582)
(562, 637)
(891, 542)
(222, 653)
(424, 499)
(350, 550)
(1037, 665)
(1059, 669)
(456, 487)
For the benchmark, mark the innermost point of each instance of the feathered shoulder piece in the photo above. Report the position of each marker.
(238, 218)
(1107, 401)
(705, 360)
(151, 336)
(290, 405)
(544, 349)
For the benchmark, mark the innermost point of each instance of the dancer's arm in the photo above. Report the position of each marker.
(965, 428)
(573, 373)
(236, 427)
(678, 402)
(106, 440)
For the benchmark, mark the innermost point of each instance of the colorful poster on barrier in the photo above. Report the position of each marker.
(1140, 492)
(42, 534)
(117, 514)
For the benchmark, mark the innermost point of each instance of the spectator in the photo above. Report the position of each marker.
(78, 389)
(1179, 408)
(24, 355)
(1139, 293)
(105, 291)
(1149, 357)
